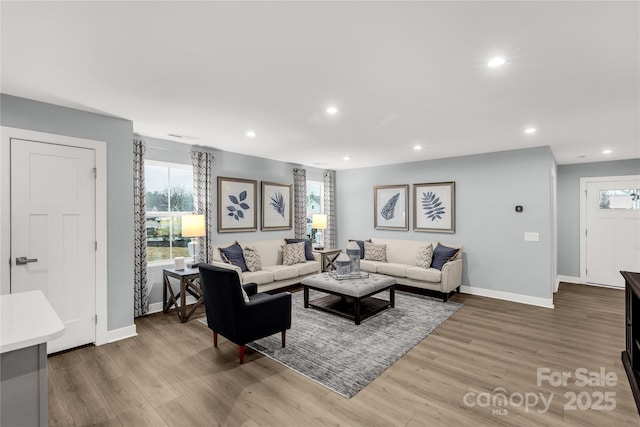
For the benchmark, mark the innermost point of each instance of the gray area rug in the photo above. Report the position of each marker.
(343, 357)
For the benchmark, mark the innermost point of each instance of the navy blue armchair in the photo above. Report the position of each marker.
(240, 322)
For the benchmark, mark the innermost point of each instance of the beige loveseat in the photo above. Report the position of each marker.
(401, 265)
(273, 274)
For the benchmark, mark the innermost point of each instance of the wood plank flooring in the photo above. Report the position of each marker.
(170, 374)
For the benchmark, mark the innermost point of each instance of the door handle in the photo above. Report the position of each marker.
(21, 260)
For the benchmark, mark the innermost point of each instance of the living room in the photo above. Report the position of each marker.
(489, 182)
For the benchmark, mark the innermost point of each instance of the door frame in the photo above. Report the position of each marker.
(583, 219)
(100, 150)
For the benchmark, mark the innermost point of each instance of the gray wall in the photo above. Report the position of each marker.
(488, 187)
(569, 206)
(117, 133)
(228, 165)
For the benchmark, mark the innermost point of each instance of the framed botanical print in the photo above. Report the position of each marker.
(434, 207)
(276, 206)
(237, 205)
(391, 207)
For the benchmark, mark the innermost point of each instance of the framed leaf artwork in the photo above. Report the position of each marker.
(276, 206)
(391, 207)
(434, 207)
(237, 206)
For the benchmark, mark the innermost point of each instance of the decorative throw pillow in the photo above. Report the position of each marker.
(252, 258)
(361, 244)
(375, 252)
(442, 255)
(293, 253)
(233, 255)
(425, 254)
(308, 250)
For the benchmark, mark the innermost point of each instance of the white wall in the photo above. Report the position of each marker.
(488, 187)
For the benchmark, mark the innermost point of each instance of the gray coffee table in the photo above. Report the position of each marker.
(350, 298)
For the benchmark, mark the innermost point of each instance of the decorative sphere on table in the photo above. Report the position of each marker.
(353, 251)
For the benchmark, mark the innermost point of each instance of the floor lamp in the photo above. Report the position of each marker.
(319, 222)
(193, 226)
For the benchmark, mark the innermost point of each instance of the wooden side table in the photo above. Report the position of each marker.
(187, 279)
(328, 258)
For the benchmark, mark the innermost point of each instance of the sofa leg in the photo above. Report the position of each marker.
(215, 339)
(458, 290)
(241, 353)
(284, 337)
(445, 297)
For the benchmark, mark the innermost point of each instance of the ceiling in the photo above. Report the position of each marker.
(400, 73)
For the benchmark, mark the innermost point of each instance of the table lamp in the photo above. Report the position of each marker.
(319, 222)
(193, 226)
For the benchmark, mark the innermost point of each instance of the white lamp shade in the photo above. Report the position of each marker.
(319, 221)
(193, 226)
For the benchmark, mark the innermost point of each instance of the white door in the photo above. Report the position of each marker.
(53, 230)
(612, 230)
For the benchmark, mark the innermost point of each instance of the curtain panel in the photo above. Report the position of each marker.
(141, 291)
(203, 199)
(300, 203)
(330, 208)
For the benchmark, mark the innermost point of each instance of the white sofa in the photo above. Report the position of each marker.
(273, 275)
(401, 265)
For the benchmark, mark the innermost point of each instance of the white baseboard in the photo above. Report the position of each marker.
(157, 306)
(122, 333)
(569, 279)
(508, 296)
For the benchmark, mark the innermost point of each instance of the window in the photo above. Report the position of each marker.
(315, 203)
(169, 196)
(620, 199)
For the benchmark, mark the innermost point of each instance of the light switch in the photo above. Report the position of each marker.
(531, 237)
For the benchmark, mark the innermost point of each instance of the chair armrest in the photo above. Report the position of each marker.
(250, 288)
(274, 309)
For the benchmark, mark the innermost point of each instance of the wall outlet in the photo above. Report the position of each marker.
(531, 237)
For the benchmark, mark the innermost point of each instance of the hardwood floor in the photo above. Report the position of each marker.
(170, 374)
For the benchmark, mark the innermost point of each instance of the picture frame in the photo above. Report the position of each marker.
(237, 205)
(391, 207)
(276, 202)
(434, 207)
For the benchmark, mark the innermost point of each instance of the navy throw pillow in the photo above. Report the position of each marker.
(361, 244)
(233, 255)
(442, 254)
(308, 251)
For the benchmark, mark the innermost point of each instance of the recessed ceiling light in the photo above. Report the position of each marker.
(251, 134)
(496, 62)
(417, 147)
(347, 158)
(332, 110)
(607, 151)
(530, 130)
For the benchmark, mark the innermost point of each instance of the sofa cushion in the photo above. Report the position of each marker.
(282, 272)
(252, 258)
(424, 274)
(293, 253)
(233, 255)
(370, 266)
(375, 252)
(308, 250)
(443, 254)
(425, 256)
(308, 268)
(260, 277)
(393, 269)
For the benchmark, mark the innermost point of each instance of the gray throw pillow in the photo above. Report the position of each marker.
(293, 253)
(375, 252)
(425, 254)
(252, 258)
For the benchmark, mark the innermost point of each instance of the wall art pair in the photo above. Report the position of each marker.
(238, 205)
(433, 207)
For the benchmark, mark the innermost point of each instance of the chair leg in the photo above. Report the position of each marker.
(284, 337)
(215, 339)
(241, 353)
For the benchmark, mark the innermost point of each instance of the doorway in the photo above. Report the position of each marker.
(610, 229)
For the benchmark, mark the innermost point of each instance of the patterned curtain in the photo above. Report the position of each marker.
(141, 291)
(203, 199)
(330, 208)
(300, 203)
